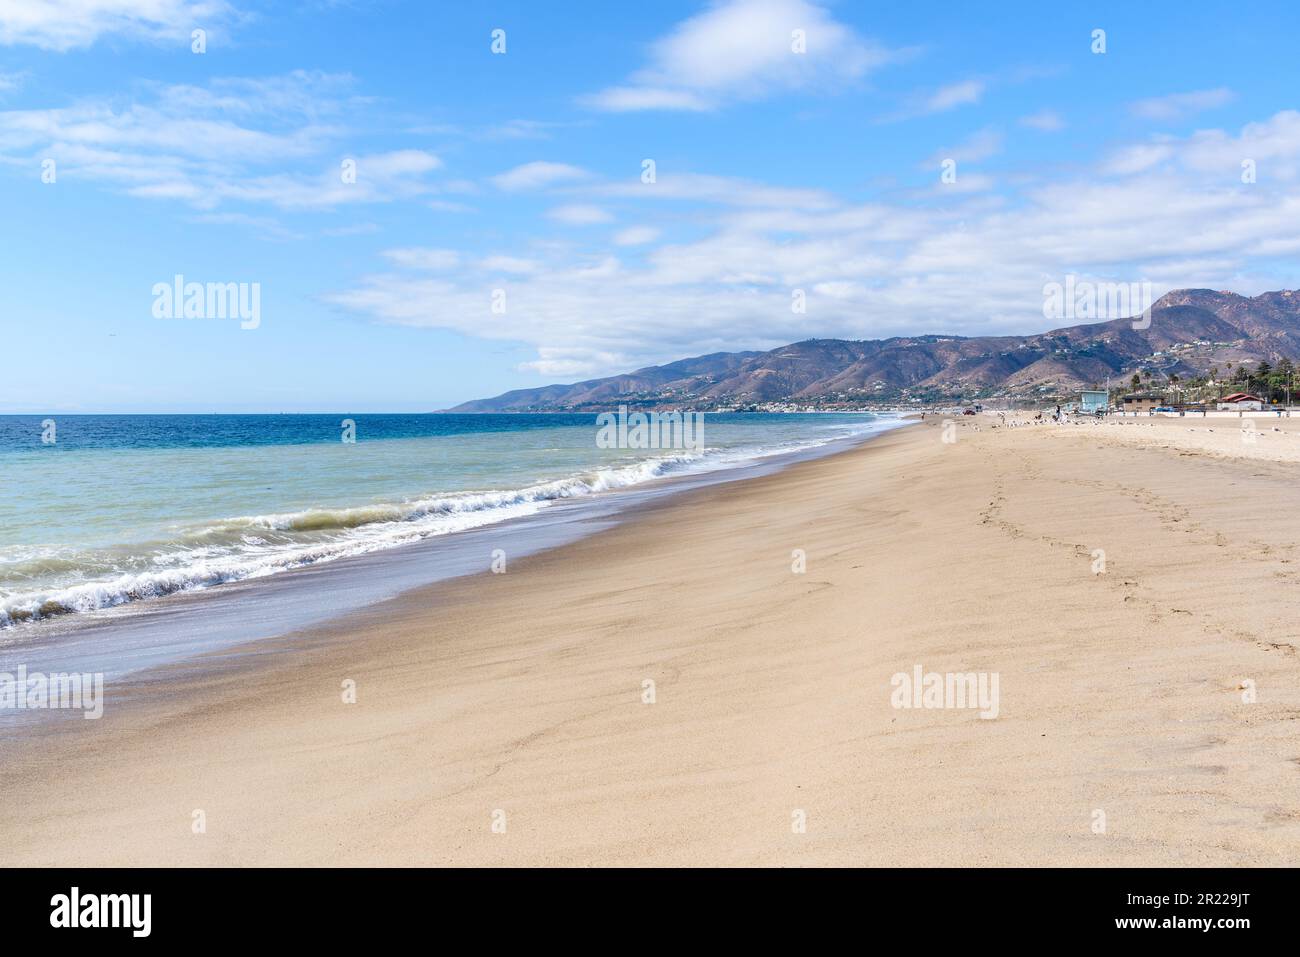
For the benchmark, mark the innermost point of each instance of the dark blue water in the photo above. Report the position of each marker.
(79, 432)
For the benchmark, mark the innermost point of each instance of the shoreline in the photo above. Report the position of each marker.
(224, 616)
(523, 692)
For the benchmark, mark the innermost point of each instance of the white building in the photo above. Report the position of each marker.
(1241, 402)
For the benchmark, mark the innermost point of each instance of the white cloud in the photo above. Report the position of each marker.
(380, 177)
(67, 24)
(1274, 146)
(743, 50)
(941, 100)
(1177, 105)
(625, 99)
(563, 363)
(399, 163)
(537, 175)
(228, 141)
(948, 97)
(971, 264)
(636, 236)
(1137, 159)
(580, 215)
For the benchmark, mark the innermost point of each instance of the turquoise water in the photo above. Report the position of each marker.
(118, 509)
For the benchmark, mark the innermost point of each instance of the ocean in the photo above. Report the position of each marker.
(128, 541)
(124, 508)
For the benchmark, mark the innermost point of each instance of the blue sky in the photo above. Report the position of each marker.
(520, 173)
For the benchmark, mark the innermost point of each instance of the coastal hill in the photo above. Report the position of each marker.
(1191, 333)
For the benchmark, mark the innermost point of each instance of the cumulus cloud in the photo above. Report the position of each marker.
(742, 50)
(1273, 145)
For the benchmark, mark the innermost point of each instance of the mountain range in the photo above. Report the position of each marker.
(1191, 332)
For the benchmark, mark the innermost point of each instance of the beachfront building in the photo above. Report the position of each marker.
(1241, 402)
(1141, 403)
(1092, 401)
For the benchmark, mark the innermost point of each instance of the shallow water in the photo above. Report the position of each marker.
(123, 508)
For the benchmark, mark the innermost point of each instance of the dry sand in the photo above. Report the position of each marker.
(1120, 692)
(1265, 437)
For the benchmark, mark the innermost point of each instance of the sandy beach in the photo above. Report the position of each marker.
(1133, 587)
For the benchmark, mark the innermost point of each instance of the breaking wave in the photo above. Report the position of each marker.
(255, 546)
